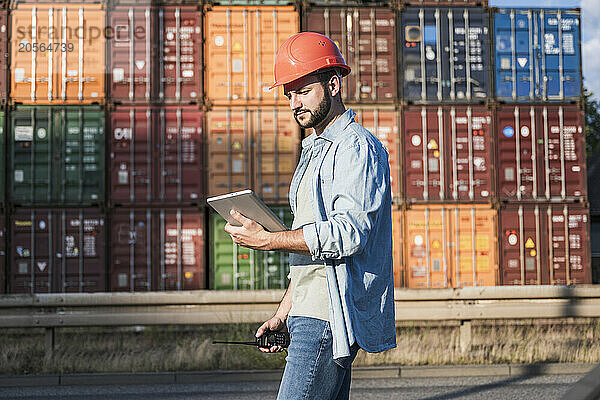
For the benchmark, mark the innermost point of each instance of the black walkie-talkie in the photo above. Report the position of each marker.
(268, 339)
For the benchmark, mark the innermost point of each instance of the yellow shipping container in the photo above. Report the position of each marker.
(450, 246)
(241, 43)
(58, 53)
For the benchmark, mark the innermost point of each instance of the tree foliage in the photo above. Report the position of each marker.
(592, 124)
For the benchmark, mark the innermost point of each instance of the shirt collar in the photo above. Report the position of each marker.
(333, 130)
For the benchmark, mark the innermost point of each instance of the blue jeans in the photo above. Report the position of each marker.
(310, 371)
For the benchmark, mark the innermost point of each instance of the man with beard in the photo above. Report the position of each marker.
(341, 292)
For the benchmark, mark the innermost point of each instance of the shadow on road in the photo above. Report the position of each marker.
(530, 370)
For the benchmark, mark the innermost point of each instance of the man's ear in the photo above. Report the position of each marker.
(335, 85)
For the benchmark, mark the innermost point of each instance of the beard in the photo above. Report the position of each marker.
(317, 115)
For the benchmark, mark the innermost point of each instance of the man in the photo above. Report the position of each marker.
(341, 292)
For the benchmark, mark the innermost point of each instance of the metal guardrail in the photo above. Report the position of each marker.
(464, 305)
(216, 307)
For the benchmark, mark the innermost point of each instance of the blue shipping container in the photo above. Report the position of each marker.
(445, 56)
(538, 54)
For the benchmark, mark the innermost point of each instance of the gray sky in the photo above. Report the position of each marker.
(590, 26)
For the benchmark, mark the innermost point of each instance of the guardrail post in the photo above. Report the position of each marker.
(465, 335)
(50, 339)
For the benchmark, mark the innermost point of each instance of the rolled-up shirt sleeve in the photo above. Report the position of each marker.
(356, 189)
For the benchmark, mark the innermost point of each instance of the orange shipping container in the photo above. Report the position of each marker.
(252, 148)
(450, 246)
(241, 43)
(58, 53)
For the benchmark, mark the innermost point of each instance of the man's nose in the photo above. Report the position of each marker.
(295, 102)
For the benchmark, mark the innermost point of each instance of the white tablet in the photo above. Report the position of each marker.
(250, 206)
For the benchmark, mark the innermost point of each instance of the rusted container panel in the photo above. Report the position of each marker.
(132, 53)
(3, 56)
(447, 153)
(398, 247)
(366, 37)
(180, 54)
(2, 252)
(157, 250)
(252, 148)
(241, 43)
(57, 251)
(541, 153)
(544, 244)
(445, 56)
(277, 146)
(450, 246)
(131, 154)
(156, 155)
(58, 53)
(383, 123)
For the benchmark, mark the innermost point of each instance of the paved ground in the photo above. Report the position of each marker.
(546, 387)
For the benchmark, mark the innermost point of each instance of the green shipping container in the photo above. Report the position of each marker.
(57, 155)
(237, 268)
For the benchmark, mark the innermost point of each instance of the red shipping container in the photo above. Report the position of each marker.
(366, 37)
(447, 154)
(544, 244)
(252, 148)
(383, 123)
(157, 155)
(2, 253)
(541, 153)
(132, 53)
(157, 250)
(3, 56)
(180, 67)
(57, 251)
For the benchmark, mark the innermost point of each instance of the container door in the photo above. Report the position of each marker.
(424, 154)
(426, 253)
(131, 155)
(33, 145)
(383, 123)
(473, 234)
(4, 60)
(274, 266)
(131, 250)
(180, 263)
(517, 134)
(2, 159)
(272, 27)
(80, 155)
(132, 54)
(180, 54)
(522, 249)
(228, 35)
(568, 245)
(366, 38)
(80, 251)
(32, 264)
(180, 160)
(228, 151)
(277, 139)
(471, 158)
(233, 267)
(430, 36)
(562, 155)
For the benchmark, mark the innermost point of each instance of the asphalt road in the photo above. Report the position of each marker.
(546, 387)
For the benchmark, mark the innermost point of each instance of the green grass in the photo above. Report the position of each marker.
(190, 348)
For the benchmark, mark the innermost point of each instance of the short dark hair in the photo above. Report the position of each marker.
(325, 74)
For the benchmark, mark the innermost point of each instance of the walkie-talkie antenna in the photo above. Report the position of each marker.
(246, 343)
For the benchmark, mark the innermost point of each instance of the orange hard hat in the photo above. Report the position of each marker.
(305, 53)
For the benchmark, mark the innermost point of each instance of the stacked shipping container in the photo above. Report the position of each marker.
(478, 108)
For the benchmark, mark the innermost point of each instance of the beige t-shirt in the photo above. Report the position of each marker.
(310, 297)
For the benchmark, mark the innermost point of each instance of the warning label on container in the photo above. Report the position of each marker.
(23, 133)
(529, 244)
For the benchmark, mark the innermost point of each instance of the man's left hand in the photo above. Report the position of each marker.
(251, 234)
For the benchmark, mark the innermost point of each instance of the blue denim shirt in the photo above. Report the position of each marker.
(352, 232)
